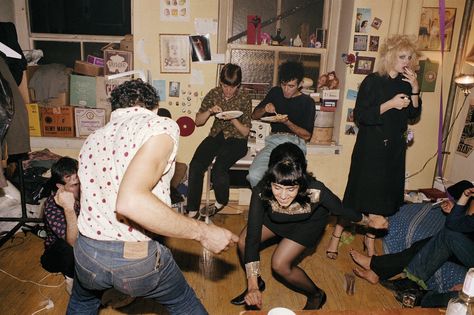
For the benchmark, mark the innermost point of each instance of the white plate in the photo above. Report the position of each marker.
(231, 114)
(274, 118)
(281, 311)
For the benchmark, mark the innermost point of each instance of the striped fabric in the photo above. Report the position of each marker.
(414, 222)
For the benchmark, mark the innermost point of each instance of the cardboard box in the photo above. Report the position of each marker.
(127, 43)
(95, 60)
(86, 68)
(117, 61)
(88, 120)
(62, 99)
(57, 121)
(34, 119)
(83, 91)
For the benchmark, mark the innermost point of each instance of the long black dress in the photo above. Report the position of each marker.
(377, 174)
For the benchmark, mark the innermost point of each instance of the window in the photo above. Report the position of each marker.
(293, 17)
(69, 30)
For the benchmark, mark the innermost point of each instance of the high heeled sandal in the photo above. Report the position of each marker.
(365, 247)
(333, 254)
(316, 301)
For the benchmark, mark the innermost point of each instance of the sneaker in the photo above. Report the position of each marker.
(69, 282)
(192, 214)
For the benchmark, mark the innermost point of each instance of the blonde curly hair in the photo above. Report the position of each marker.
(394, 45)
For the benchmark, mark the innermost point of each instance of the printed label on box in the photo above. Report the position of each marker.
(88, 120)
(57, 121)
(330, 95)
(34, 120)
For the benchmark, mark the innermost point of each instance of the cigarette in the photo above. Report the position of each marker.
(439, 201)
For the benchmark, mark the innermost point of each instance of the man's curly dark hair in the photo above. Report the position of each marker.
(132, 93)
(291, 70)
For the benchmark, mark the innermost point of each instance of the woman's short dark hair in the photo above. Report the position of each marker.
(63, 167)
(291, 70)
(132, 93)
(288, 167)
(231, 74)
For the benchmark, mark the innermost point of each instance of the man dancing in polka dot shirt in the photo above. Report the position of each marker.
(125, 169)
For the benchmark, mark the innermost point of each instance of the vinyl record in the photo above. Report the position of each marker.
(186, 126)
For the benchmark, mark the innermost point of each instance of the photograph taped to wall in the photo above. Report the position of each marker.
(429, 29)
(360, 43)
(374, 43)
(466, 143)
(201, 47)
(362, 20)
(174, 53)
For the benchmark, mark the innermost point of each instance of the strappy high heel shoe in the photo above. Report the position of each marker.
(333, 254)
(368, 250)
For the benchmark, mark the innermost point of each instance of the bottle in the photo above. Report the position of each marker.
(464, 303)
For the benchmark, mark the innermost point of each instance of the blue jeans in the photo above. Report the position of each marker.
(443, 245)
(101, 265)
(260, 162)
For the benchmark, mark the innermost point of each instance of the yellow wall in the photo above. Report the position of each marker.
(147, 27)
(397, 15)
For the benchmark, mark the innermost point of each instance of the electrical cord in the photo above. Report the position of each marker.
(48, 306)
(33, 282)
(444, 140)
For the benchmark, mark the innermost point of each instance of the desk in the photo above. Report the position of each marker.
(401, 311)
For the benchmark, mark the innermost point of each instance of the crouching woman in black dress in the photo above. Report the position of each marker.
(289, 203)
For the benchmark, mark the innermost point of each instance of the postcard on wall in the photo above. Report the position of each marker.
(429, 29)
(466, 143)
(160, 86)
(351, 95)
(374, 43)
(351, 130)
(350, 115)
(174, 10)
(362, 20)
(376, 23)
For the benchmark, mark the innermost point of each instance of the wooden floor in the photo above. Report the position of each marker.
(215, 278)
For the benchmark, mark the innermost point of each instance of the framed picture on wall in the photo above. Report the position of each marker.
(175, 53)
(429, 29)
(364, 65)
(360, 43)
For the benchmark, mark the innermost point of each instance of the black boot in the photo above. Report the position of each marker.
(316, 301)
(240, 300)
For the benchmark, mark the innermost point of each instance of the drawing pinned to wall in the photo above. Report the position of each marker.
(466, 143)
(174, 53)
(360, 42)
(429, 29)
(374, 43)
(174, 10)
(363, 16)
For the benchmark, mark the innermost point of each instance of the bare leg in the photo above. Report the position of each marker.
(283, 264)
(369, 239)
(368, 275)
(360, 259)
(333, 246)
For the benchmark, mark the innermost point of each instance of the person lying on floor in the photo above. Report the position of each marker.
(423, 258)
(289, 203)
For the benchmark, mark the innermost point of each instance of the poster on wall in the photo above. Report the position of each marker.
(363, 16)
(466, 143)
(174, 53)
(174, 10)
(429, 30)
